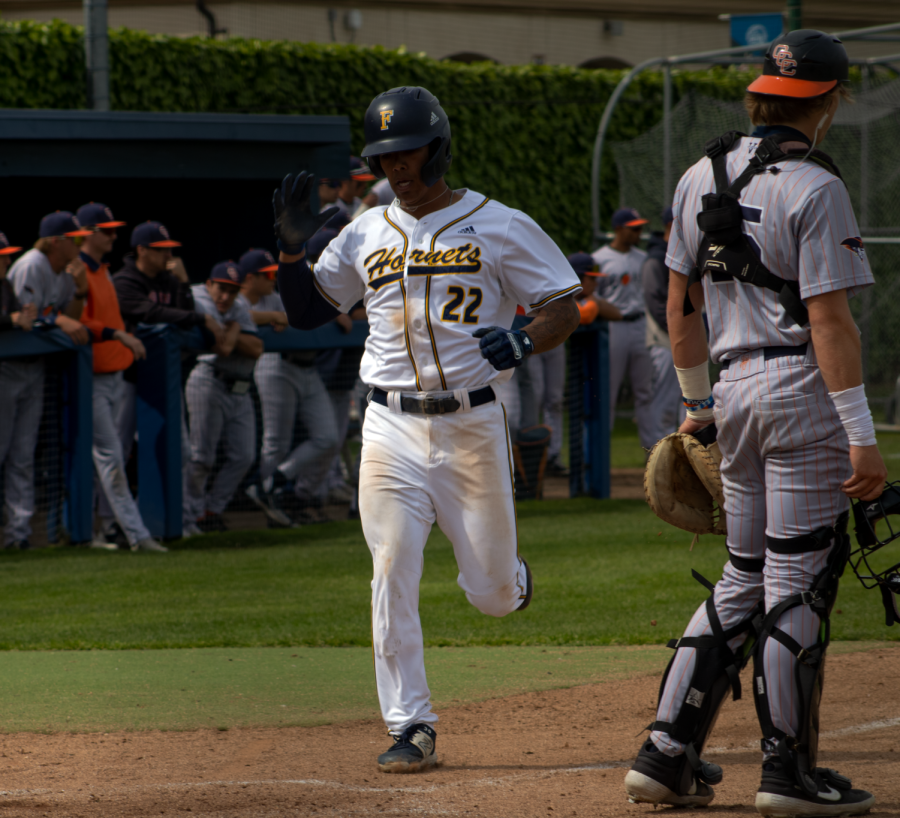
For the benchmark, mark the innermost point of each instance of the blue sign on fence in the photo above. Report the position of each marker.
(755, 29)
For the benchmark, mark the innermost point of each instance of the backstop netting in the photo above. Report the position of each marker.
(862, 142)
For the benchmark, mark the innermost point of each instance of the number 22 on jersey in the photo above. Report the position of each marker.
(457, 295)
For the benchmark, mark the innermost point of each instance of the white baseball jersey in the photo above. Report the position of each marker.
(800, 223)
(239, 366)
(428, 283)
(36, 283)
(619, 281)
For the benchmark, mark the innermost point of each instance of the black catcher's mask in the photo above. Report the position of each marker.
(868, 517)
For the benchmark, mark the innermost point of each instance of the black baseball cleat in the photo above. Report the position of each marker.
(780, 796)
(656, 778)
(270, 504)
(529, 589)
(413, 751)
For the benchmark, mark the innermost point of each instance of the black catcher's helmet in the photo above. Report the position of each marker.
(802, 64)
(404, 119)
(867, 515)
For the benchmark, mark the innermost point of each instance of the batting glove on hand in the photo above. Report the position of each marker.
(295, 223)
(504, 348)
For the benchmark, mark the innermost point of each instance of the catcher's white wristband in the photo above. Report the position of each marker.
(853, 409)
(697, 392)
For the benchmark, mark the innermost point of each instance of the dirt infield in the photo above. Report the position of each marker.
(557, 753)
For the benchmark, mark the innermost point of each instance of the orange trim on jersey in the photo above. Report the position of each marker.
(406, 335)
(789, 87)
(457, 221)
(553, 297)
(431, 332)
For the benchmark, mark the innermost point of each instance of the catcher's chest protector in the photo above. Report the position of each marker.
(726, 251)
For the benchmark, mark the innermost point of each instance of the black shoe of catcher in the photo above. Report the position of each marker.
(780, 796)
(413, 751)
(656, 778)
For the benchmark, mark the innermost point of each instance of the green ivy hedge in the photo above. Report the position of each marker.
(522, 134)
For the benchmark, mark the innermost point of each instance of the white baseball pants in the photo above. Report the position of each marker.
(453, 469)
(286, 391)
(628, 353)
(548, 380)
(667, 407)
(109, 462)
(784, 457)
(216, 413)
(22, 388)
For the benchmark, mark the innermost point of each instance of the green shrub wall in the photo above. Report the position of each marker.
(522, 134)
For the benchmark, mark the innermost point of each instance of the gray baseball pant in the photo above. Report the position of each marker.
(109, 462)
(628, 353)
(286, 391)
(668, 409)
(215, 412)
(126, 426)
(548, 379)
(22, 387)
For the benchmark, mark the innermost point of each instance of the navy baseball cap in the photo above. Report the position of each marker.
(97, 215)
(667, 216)
(152, 234)
(359, 170)
(5, 248)
(320, 241)
(228, 272)
(583, 264)
(627, 217)
(257, 261)
(61, 224)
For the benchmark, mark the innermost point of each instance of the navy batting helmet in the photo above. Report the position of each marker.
(404, 119)
(802, 64)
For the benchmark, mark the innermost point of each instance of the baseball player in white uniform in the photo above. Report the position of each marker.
(289, 387)
(765, 223)
(619, 283)
(219, 404)
(39, 277)
(440, 272)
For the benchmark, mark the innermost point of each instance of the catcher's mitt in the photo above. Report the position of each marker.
(683, 486)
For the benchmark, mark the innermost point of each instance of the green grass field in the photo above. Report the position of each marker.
(272, 627)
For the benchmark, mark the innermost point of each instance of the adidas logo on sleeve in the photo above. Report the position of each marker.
(468, 230)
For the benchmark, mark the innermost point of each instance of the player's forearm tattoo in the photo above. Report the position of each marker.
(553, 324)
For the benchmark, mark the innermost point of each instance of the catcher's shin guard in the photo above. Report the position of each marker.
(717, 668)
(798, 753)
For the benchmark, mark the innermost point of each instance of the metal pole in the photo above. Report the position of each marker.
(667, 135)
(96, 53)
(795, 15)
(866, 295)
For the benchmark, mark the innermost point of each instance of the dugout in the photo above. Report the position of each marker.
(208, 177)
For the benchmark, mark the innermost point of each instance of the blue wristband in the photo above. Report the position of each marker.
(698, 403)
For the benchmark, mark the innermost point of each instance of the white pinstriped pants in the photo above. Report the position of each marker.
(784, 457)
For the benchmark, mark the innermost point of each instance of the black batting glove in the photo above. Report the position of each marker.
(504, 348)
(295, 223)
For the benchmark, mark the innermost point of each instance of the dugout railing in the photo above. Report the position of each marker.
(66, 490)
(63, 464)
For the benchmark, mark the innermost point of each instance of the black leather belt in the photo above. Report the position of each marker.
(775, 352)
(239, 386)
(635, 317)
(435, 406)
